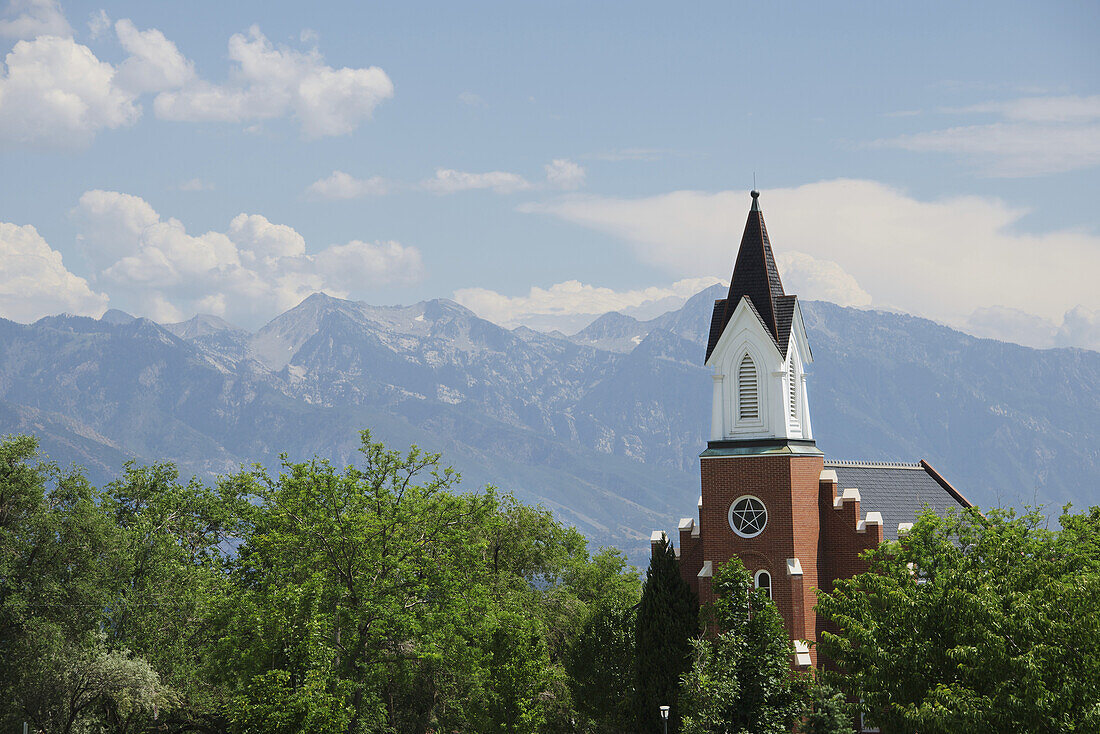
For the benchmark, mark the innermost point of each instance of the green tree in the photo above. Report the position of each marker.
(975, 623)
(59, 568)
(667, 621)
(827, 709)
(601, 669)
(354, 579)
(740, 679)
(175, 541)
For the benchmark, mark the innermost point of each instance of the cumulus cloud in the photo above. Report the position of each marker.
(33, 18)
(564, 174)
(34, 281)
(269, 81)
(348, 266)
(1036, 136)
(55, 92)
(940, 259)
(448, 181)
(154, 63)
(342, 185)
(111, 225)
(1080, 327)
(820, 280)
(571, 305)
(251, 271)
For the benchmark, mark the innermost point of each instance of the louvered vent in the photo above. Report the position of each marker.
(792, 382)
(748, 399)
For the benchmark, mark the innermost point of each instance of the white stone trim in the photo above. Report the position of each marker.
(706, 571)
(801, 653)
(686, 523)
(794, 567)
(828, 475)
(849, 495)
(657, 536)
(904, 527)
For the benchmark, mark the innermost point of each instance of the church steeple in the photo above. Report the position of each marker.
(758, 349)
(755, 276)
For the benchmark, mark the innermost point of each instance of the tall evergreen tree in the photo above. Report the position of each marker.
(668, 620)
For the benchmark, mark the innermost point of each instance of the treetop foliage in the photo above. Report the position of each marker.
(975, 622)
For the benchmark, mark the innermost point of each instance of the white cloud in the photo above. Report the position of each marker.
(154, 63)
(1011, 325)
(195, 184)
(571, 305)
(1037, 136)
(1080, 328)
(269, 82)
(112, 225)
(448, 181)
(820, 280)
(941, 259)
(342, 185)
(250, 272)
(564, 174)
(1068, 108)
(265, 240)
(1013, 149)
(34, 281)
(98, 23)
(56, 92)
(33, 18)
(358, 263)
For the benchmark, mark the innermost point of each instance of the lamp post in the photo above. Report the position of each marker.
(664, 717)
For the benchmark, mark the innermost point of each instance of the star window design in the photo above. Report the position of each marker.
(748, 516)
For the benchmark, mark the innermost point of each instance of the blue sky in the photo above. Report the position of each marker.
(543, 162)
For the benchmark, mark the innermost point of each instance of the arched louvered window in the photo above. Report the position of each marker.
(748, 393)
(792, 390)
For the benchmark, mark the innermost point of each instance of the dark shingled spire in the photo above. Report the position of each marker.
(756, 277)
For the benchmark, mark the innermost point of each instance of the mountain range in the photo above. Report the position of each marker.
(604, 426)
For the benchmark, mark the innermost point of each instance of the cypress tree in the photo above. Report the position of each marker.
(668, 620)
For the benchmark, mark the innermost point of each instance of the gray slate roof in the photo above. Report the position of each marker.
(898, 491)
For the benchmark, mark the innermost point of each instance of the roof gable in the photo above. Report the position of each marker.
(744, 316)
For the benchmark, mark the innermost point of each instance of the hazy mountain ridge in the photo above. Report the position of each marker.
(604, 427)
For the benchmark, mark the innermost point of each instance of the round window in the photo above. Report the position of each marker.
(748, 516)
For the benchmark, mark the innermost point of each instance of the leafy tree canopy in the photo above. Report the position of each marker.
(975, 623)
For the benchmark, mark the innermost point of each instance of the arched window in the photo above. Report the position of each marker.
(763, 581)
(748, 398)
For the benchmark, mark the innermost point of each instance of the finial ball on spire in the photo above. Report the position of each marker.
(754, 194)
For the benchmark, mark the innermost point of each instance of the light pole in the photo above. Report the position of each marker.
(664, 717)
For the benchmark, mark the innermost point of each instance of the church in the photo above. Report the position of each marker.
(795, 518)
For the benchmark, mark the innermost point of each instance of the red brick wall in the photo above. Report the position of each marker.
(789, 488)
(803, 523)
(841, 543)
